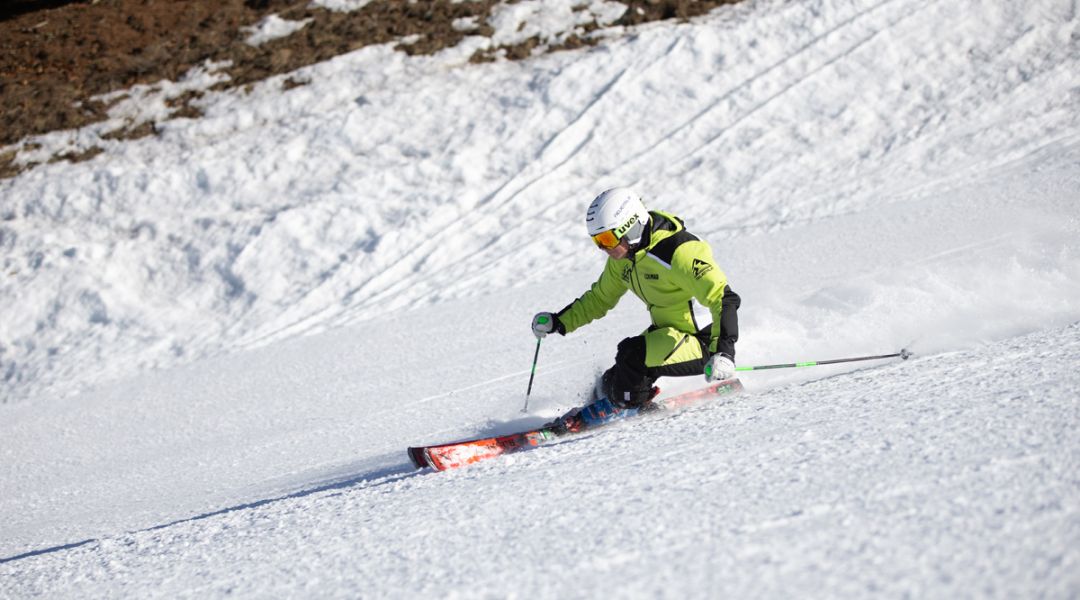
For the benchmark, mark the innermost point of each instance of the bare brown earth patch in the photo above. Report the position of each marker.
(55, 56)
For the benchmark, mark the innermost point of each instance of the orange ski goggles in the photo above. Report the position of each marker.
(606, 239)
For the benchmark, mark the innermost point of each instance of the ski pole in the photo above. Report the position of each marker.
(904, 354)
(536, 356)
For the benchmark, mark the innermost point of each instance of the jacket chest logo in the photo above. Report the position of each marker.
(626, 274)
(652, 276)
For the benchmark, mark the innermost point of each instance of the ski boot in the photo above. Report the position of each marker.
(571, 422)
(597, 413)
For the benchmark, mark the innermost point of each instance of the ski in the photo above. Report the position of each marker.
(459, 454)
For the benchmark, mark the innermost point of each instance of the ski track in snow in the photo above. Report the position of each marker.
(218, 342)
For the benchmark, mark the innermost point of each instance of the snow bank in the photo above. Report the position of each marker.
(366, 192)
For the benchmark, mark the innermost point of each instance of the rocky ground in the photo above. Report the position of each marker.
(57, 56)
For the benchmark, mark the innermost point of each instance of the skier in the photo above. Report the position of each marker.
(652, 254)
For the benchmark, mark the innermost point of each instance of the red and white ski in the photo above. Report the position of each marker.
(458, 454)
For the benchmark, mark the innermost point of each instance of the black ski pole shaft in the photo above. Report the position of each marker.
(536, 356)
(904, 354)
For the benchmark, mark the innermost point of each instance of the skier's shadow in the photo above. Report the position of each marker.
(387, 469)
(369, 479)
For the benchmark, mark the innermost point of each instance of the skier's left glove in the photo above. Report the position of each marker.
(719, 368)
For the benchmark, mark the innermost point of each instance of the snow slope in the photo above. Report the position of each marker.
(219, 342)
(873, 483)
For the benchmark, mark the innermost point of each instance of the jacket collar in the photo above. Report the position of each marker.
(657, 222)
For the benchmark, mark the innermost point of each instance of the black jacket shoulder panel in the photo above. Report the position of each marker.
(665, 249)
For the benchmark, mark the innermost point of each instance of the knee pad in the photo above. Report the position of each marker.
(624, 389)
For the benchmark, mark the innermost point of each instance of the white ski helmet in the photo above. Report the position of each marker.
(619, 211)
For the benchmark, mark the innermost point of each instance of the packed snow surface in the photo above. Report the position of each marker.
(217, 343)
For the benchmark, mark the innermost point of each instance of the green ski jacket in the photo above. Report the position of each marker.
(671, 268)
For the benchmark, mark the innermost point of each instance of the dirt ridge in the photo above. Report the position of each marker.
(55, 56)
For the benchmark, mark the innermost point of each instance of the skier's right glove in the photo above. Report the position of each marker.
(545, 323)
(719, 368)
